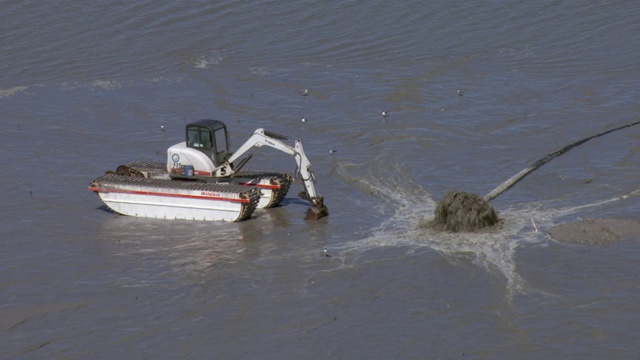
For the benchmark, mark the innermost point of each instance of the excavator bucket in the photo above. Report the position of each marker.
(317, 211)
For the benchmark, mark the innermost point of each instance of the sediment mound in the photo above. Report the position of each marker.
(463, 212)
(596, 231)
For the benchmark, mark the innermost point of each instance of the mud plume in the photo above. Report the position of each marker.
(463, 212)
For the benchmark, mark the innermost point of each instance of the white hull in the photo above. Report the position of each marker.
(273, 185)
(266, 199)
(154, 199)
(162, 207)
(268, 193)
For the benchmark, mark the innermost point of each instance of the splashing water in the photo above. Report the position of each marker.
(205, 61)
(493, 250)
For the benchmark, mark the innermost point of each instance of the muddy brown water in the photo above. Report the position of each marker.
(85, 87)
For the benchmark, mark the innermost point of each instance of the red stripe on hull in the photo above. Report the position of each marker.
(262, 186)
(184, 196)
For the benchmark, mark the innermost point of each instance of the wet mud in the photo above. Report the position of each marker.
(596, 231)
(463, 212)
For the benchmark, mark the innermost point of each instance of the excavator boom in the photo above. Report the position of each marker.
(260, 138)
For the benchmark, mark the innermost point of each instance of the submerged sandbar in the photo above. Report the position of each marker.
(596, 231)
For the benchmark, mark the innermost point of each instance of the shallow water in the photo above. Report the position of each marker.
(86, 88)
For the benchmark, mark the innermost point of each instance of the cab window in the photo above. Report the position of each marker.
(221, 140)
(199, 137)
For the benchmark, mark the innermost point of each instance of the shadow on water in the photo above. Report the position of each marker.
(105, 208)
(294, 201)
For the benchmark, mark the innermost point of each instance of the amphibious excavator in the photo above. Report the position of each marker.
(203, 180)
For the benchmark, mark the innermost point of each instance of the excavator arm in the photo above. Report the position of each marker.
(262, 137)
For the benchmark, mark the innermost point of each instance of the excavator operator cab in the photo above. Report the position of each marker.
(211, 138)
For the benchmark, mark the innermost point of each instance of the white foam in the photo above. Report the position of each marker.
(166, 79)
(12, 91)
(107, 85)
(205, 61)
(259, 70)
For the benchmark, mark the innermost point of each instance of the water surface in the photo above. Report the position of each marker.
(85, 88)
